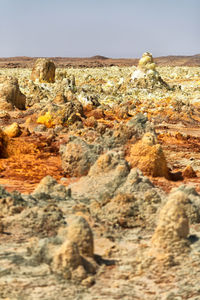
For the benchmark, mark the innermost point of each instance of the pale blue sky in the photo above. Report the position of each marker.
(114, 28)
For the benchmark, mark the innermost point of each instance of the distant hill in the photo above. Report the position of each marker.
(99, 61)
(99, 57)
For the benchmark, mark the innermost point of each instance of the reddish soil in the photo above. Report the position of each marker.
(29, 160)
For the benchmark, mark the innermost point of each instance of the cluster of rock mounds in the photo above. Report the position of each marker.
(113, 195)
(89, 136)
(111, 162)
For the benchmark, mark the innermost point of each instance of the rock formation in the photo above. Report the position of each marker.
(79, 232)
(104, 177)
(193, 204)
(43, 70)
(135, 203)
(48, 188)
(78, 156)
(170, 236)
(146, 76)
(10, 94)
(65, 115)
(148, 156)
(74, 259)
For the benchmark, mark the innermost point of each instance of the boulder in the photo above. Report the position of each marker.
(10, 94)
(43, 70)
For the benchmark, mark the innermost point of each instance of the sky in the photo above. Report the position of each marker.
(112, 28)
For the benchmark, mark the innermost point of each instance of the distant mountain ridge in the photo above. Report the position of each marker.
(99, 61)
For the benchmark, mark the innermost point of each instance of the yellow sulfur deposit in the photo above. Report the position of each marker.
(46, 119)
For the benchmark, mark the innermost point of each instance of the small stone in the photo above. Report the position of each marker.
(189, 172)
(88, 282)
(13, 130)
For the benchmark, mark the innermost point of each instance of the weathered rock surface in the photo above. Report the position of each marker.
(146, 76)
(11, 203)
(74, 259)
(170, 236)
(42, 221)
(135, 203)
(103, 179)
(48, 189)
(148, 156)
(10, 94)
(65, 115)
(43, 70)
(118, 136)
(192, 206)
(78, 156)
(70, 254)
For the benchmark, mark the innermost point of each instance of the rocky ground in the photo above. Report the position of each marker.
(99, 182)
